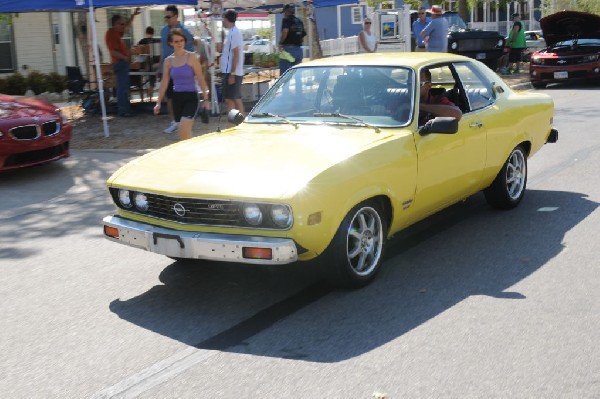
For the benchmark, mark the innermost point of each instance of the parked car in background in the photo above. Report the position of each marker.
(484, 46)
(261, 46)
(573, 52)
(333, 161)
(535, 42)
(32, 132)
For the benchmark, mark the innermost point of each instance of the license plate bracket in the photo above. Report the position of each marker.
(561, 75)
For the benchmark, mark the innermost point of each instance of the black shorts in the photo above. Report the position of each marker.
(185, 104)
(234, 91)
(515, 54)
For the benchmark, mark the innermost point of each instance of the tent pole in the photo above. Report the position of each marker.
(98, 69)
(214, 96)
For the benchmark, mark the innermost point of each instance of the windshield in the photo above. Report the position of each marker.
(455, 22)
(349, 95)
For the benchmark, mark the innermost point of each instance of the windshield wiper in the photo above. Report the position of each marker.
(338, 115)
(268, 114)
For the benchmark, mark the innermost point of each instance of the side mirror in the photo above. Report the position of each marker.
(236, 117)
(442, 125)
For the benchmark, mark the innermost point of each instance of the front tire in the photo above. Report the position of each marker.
(508, 188)
(538, 85)
(356, 252)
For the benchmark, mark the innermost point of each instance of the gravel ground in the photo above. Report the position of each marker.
(145, 131)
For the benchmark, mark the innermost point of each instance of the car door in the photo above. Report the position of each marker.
(450, 166)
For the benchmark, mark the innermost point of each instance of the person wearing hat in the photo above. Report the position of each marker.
(292, 35)
(516, 42)
(436, 32)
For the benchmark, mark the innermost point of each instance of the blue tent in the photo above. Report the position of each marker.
(65, 5)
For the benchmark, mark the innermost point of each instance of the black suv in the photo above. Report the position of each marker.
(482, 45)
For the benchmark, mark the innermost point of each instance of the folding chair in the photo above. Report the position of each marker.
(76, 83)
(79, 87)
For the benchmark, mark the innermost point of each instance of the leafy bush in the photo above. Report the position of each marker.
(16, 84)
(36, 81)
(56, 83)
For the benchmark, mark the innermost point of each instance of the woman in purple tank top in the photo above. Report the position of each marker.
(184, 68)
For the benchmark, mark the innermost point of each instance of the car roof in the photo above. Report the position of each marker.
(414, 60)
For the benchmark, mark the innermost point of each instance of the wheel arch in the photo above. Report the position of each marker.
(378, 195)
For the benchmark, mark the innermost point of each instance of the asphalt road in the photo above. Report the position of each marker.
(471, 302)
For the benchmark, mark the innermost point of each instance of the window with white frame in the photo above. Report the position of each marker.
(7, 48)
(357, 15)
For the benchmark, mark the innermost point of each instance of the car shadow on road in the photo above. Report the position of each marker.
(465, 251)
(42, 201)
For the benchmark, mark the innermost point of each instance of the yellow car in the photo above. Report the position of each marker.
(336, 158)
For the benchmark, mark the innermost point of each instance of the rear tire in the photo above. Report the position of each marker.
(538, 85)
(508, 188)
(355, 254)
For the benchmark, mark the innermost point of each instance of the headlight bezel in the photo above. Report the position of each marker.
(284, 218)
(252, 214)
(124, 198)
(141, 204)
(537, 60)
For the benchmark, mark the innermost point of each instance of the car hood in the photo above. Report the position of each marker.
(13, 108)
(567, 25)
(248, 161)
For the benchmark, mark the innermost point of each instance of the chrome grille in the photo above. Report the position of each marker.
(481, 45)
(196, 211)
(34, 131)
(27, 132)
(563, 61)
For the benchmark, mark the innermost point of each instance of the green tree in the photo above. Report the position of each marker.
(552, 6)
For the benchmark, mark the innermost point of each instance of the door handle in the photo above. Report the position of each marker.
(478, 124)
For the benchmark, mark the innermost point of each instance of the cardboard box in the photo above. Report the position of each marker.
(254, 91)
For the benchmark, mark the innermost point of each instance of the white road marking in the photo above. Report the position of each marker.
(156, 374)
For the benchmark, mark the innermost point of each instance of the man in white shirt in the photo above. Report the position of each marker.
(232, 63)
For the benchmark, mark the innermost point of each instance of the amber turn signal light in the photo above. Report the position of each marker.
(257, 253)
(111, 231)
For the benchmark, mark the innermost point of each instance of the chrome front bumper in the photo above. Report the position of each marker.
(196, 245)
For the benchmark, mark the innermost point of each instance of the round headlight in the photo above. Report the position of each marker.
(281, 215)
(454, 45)
(125, 198)
(253, 214)
(500, 43)
(140, 201)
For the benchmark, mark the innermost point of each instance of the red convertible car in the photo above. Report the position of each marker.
(573, 51)
(32, 132)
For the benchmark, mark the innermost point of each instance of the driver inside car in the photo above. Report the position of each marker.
(433, 103)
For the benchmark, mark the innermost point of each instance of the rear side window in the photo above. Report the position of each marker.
(477, 90)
